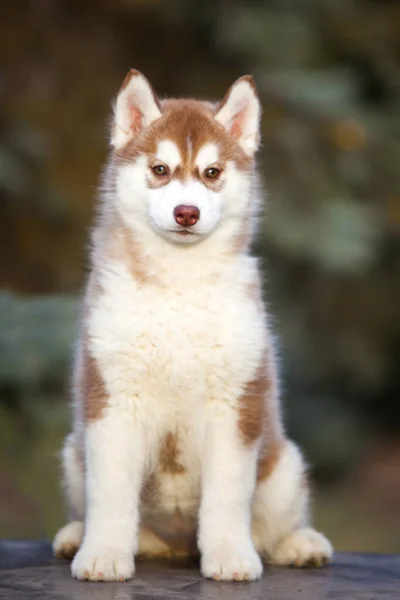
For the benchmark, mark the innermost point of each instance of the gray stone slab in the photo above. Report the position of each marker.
(29, 572)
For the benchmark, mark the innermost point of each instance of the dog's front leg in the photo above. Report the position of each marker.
(114, 460)
(228, 480)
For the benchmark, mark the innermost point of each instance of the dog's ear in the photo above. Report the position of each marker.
(240, 111)
(135, 108)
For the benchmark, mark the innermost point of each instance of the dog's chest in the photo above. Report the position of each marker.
(177, 341)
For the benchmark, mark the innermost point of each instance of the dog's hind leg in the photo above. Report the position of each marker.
(68, 540)
(280, 525)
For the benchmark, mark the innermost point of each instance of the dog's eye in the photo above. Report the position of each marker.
(212, 173)
(160, 170)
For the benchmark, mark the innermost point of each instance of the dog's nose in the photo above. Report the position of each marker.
(186, 215)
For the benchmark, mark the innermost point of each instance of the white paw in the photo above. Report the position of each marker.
(68, 540)
(303, 548)
(102, 564)
(232, 564)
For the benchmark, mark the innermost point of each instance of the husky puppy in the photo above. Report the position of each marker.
(177, 445)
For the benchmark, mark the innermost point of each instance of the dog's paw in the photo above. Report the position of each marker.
(230, 564)
(303, 548)
(102, 565)
(67, 541)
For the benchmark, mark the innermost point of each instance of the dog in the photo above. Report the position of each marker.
(178, 446)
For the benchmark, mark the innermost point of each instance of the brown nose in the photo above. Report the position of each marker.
(186, 215)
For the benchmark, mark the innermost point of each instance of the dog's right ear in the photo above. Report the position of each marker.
(136, 107)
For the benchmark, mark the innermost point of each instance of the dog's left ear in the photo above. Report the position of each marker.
(240, 111)
(136, 107)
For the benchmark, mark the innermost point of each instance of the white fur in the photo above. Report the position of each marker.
(73, 479)
(281, 494)
(207, 156)
(114, 454)
(281, 505)
(168, 153)
(303, 547)
(70, 535)
(175, 349)
(229, 473)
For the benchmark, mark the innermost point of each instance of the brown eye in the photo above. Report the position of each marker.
(212, 173)
(160, 170)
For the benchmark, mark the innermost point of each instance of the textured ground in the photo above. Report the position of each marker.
(28, 572)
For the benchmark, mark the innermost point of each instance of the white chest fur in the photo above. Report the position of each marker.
(179, 343)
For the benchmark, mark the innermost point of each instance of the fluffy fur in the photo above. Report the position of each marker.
(177, 445)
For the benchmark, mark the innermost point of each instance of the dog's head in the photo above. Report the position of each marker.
(183, 167)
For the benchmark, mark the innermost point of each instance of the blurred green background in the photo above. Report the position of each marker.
(329, 79)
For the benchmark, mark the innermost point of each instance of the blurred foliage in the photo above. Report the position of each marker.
(328, 73)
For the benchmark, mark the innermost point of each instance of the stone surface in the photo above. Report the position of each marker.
(28, 572)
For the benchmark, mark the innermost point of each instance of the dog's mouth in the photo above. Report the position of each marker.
(183, 232)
